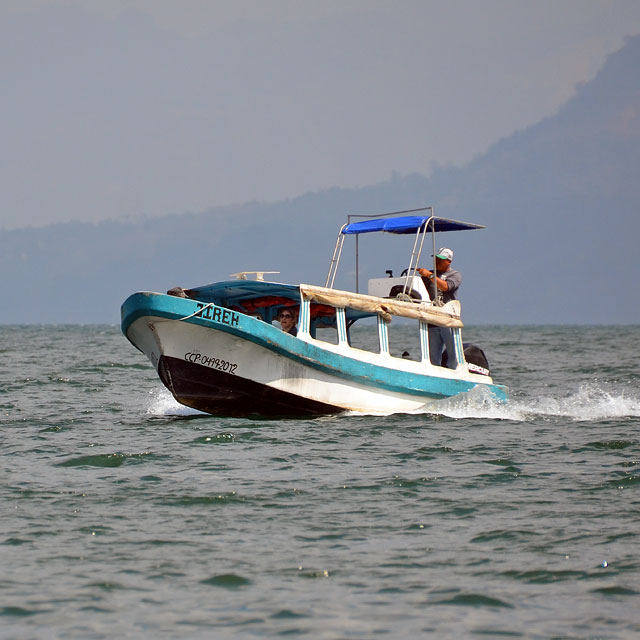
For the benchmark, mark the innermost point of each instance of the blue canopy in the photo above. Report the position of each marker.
(408, 224)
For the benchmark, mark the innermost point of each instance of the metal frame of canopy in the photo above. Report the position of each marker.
(399, 223)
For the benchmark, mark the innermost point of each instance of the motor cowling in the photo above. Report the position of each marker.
(476, 359)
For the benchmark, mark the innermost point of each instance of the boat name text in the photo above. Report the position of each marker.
(224, 316)
(209, 361)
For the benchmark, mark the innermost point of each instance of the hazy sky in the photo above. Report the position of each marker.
(120, 108)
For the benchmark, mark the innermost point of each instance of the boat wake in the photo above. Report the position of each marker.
(591, 402)
(162, 403)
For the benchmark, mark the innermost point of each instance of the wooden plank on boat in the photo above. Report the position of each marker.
(445, 316)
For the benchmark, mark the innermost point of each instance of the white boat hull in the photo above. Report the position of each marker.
(223, 374)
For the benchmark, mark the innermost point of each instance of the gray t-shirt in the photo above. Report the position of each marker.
(453, 279)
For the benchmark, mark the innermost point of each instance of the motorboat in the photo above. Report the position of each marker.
(217, 348)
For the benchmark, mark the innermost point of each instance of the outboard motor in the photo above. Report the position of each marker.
(476, 360)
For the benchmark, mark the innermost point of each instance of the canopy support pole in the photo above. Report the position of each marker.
(357, 262)
(335, 260)
(437, 295)
(414, 262)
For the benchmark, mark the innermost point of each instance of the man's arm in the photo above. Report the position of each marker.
(443, 285)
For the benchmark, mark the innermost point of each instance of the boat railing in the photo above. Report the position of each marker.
(384, 309)
(414, 261)
(335, 259)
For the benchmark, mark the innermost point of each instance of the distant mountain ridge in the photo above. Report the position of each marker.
(561, 200)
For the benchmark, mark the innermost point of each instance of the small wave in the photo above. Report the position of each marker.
(104, 460)
(19, 612)
(164, 404)
(476, 600)
(615, 590)
(227, 580)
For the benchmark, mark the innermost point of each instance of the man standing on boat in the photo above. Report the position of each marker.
(448, 281)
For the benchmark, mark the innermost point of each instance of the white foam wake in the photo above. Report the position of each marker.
(591, 402)
(162, 403)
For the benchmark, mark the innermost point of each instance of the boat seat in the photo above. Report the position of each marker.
(398, 291)
(391, 287)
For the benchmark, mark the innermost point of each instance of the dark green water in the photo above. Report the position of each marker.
(125, 515)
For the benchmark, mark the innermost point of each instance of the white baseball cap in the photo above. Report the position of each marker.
(445, 254)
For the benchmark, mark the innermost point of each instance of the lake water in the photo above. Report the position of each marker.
(127, 515)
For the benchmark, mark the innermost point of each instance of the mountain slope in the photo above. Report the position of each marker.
(561, 201)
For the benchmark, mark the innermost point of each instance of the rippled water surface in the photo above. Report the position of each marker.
(126, 515)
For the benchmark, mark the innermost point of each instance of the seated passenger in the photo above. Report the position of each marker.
(287, 319)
